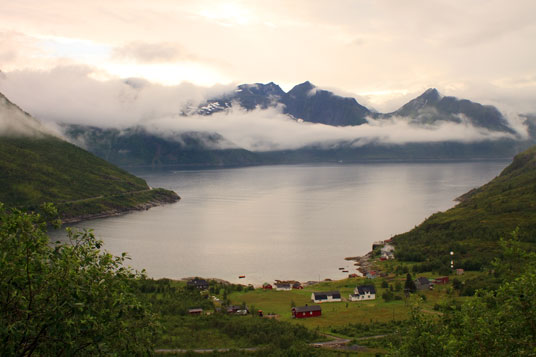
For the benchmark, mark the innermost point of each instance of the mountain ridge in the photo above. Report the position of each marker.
(307, 102)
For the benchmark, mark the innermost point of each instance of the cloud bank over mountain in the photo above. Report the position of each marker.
(70, 95)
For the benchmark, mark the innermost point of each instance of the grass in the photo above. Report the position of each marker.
(336, 314)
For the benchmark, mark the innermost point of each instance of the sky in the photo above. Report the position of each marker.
(382, 52)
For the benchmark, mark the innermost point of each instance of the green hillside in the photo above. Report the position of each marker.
(37, 167)
(473, 228)
(47, 169)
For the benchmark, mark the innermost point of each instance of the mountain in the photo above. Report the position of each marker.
(137, 146)
(311, 104)
(431, 107)
(314, 105)
(36, 166)
(304, 101)
(248, 96)
(472, 229)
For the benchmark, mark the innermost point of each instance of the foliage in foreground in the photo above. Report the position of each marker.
(171, 301)
(66, 299)
(493, 323)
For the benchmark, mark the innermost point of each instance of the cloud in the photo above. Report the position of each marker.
(152, 52)
(269, 129)
(70, 95)
(14, 122)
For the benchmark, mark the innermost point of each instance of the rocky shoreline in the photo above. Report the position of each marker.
(161, 197)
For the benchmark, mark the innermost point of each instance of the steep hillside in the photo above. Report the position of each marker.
(473, 228)
(37, 167)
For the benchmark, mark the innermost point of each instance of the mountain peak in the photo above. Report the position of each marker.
(431, 94)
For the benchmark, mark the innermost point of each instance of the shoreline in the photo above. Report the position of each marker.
(112, 206)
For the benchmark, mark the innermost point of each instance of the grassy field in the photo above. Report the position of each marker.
(336, 314)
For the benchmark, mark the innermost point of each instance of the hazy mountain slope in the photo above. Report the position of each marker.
(137, 147)
(37, 167)
(431, 107)
(473, 227)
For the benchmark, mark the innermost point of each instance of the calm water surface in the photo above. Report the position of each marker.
(282, 222)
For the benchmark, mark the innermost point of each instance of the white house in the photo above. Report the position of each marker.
(364, 292)
(388, 251)
(326, 296)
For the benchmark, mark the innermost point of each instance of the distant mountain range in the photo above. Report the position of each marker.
(137, 146)
(311, 104)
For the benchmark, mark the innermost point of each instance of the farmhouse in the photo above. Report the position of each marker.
(197, 283)
(326, 296)
(422, 283)
(301, 312)
(363, 292)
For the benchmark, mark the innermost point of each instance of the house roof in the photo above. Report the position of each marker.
(282, 285)
(323, 295)
(422, 280)
(366, 289)
(197, 281)
(307, 308)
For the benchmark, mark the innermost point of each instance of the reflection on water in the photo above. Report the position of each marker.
(282, 222)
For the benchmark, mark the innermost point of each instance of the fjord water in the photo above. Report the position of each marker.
(282, 222)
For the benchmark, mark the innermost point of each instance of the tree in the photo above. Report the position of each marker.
(66, 299)
(409, 286)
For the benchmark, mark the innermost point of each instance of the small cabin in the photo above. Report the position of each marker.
(197, 283)
(306, 311)
(423, 283)
(283, 286)
(326, 296)
(198, 311)
(459, 271)
(267, 286)
(363, 292)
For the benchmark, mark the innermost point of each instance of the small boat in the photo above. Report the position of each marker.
(241, 276)
(345, 271)
(341, 268)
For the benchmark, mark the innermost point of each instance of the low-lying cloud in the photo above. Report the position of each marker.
(269, 129)
(70, 95)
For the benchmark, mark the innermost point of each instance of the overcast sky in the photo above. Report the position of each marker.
(384, 52)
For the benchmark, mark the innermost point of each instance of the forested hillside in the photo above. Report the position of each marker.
(472, 229)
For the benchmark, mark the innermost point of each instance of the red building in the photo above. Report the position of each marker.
(441, 280)
(266, 286)
(306, 311)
